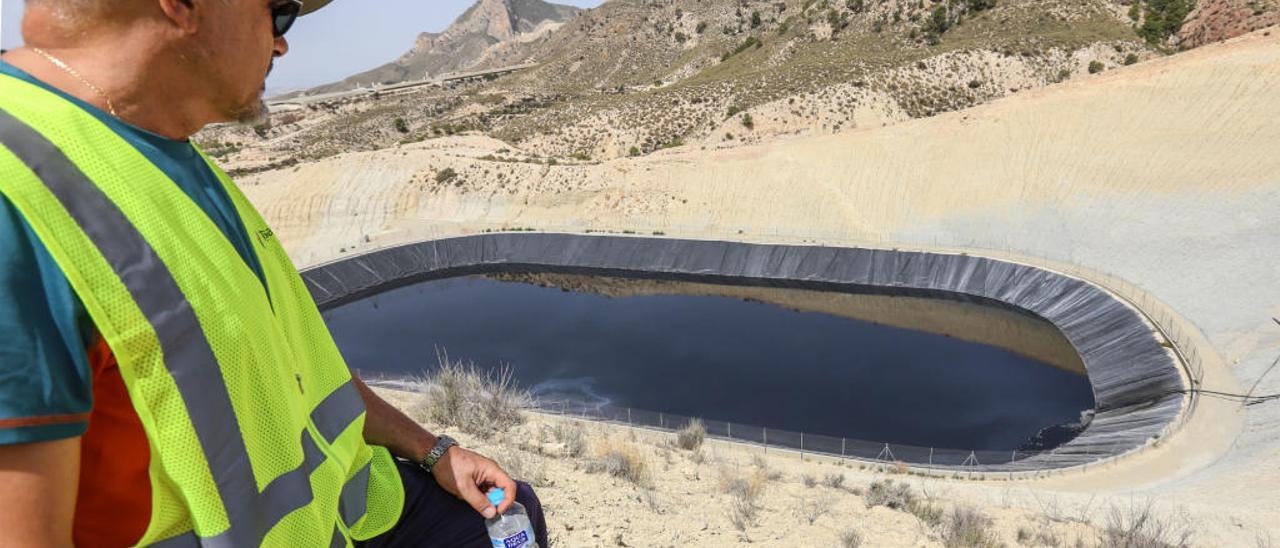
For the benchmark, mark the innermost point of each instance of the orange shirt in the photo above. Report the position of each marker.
(113, 506)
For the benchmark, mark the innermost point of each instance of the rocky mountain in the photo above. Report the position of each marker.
(634, 77)
(490, 33)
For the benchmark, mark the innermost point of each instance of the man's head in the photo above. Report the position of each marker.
(216, 53)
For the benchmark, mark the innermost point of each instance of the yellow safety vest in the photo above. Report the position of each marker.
(255, 427)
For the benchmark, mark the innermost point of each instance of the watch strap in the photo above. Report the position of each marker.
(443, 443)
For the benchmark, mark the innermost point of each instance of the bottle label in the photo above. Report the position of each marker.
(518, 540)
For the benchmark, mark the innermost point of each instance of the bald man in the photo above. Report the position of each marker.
(149, 345)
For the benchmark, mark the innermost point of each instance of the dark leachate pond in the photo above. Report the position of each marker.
(727, 353)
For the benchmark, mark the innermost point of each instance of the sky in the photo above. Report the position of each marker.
(344, 38)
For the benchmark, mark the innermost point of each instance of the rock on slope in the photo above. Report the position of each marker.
(1217, 20)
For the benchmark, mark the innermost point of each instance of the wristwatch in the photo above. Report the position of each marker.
(443, 443)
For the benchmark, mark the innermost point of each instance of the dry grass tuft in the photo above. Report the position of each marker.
(1046, 537)
(742, 513)
(524, 466)
(464, 397)
(762, 464)
(692, 435)
(969, 528)
(622, 459)
(928, 513)
(834, 480)
(745, 491)
(571, 436)
(1138, 526)
(851, 538)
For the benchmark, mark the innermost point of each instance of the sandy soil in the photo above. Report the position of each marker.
(681, 498)
(1160, 180)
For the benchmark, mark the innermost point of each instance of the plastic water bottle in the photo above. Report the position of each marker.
(510, 529)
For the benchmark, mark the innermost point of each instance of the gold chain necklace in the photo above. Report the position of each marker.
(58, 63)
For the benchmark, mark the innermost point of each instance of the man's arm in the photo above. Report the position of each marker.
(460, 471)
(38, 484)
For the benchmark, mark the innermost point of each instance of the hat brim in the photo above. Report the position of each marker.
(309, 6)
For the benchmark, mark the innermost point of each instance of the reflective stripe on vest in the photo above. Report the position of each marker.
(190, 360)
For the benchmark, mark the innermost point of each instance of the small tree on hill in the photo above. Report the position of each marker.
(445, 175)
(1163, 18)
(939, 22)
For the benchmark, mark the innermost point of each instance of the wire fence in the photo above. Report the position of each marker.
(804, 443)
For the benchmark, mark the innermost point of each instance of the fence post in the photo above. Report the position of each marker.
(802, 447)
(841, 448)
(730, 426)
(766, 439)
(628, 416)
(930, 456)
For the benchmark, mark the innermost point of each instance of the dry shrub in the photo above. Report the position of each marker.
(928, 513)
(897, 496)
(571, 436)
(1138, 526)
(762, 465)
(808, 480)
(525, 467)
(812, 510)
(834, 480)
(851, 538)
(1263, 540)
(745, 491)
(742, 513)
(287, 118)
(1046, 537)
(968, 528)
(476, 402)
(621, 459)
(692, 435)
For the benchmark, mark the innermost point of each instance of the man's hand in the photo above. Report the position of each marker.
(468, 475)
(463, 473)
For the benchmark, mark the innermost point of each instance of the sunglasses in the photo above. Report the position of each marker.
(283, 14)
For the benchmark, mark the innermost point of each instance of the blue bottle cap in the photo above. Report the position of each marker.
(496, 495)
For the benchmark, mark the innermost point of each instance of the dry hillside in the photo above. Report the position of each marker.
(632, 77)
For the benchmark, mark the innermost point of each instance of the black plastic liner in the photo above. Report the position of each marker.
(1136, 382)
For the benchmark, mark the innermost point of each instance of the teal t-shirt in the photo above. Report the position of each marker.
(45, 381)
